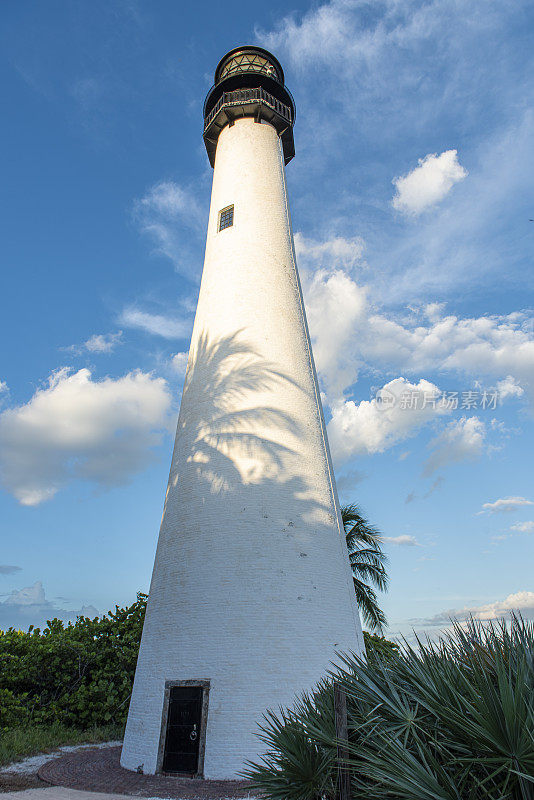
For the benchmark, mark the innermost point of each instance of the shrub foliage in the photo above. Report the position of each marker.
(452, 720)
(79, 674)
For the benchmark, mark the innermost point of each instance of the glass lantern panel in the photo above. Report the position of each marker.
(249, 62)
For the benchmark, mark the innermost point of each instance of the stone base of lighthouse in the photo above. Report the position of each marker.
(251, 594)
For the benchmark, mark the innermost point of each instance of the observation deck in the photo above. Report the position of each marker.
(249, 82)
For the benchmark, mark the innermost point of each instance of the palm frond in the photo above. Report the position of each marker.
(368, 564)
(445, 720)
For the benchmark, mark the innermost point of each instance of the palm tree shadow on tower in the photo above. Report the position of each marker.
(237, 453)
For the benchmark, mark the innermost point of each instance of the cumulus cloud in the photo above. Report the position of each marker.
(402, 541)
(509, 387)
(520, 602)
(29, 596)
(372, 426)
(334, 306)
(29, 606)
(169, 214)
(76, 427)
(179, 362)
(523, 527)
(505, 504)
(487, 345)
(9, 569)
(349, 335)
(156, 324)
(461, 440)
(428, 183)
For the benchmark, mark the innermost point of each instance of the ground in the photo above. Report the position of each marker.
(93, 772)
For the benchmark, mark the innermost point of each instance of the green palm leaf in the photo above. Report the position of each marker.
(368, 564)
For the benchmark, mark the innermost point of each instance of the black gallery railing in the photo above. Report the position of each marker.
(244, 96)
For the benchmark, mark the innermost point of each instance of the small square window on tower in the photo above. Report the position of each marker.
(226, 217)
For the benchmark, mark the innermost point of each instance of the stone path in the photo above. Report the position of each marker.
(62, 793)
(22, 774)
(98, 770)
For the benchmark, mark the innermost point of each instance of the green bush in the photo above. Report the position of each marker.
(446, 721)
(378, 647)
(78, 675)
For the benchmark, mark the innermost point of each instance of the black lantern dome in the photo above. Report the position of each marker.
(249, 82)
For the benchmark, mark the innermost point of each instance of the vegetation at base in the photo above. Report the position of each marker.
(452, 720)
(368, 564)
(378, 647)
(20, 742)
(77, 675)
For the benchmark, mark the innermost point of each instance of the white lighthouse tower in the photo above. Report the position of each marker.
(251, 594)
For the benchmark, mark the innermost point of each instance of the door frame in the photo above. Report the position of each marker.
(204, 684)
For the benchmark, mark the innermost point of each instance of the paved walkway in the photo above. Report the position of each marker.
(98, 770)
(62, 793)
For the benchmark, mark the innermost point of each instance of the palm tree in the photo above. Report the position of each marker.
(368, 564)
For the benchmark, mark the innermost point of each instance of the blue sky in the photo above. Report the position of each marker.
(411, 194)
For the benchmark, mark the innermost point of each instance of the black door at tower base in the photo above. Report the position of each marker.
(183, 730)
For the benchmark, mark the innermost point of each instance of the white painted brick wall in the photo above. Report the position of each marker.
(251, 586)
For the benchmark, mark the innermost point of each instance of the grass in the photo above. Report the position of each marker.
(18, 743)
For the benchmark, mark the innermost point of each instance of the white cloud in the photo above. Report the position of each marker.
(29, 606)
(402, 541)
(520, 602)
(372, 63)
(349, 335)
(464, 244)
(179, 362)
(103, 343)
(461, 440)
(330, 253)
(523, 527)
(4, 391)
(157, 324)
(170, 214)
(80, 428)
(372, 426)
(171, 200)
(341, 35)
(29, 596)
(509, 388)
(505, 504)
(428, 183)
(334, 306)
(98, 343)
(88, 611)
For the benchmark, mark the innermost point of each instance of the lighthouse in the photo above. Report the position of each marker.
(251, 594)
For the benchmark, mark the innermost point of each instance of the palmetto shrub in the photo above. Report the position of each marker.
(452, 720)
